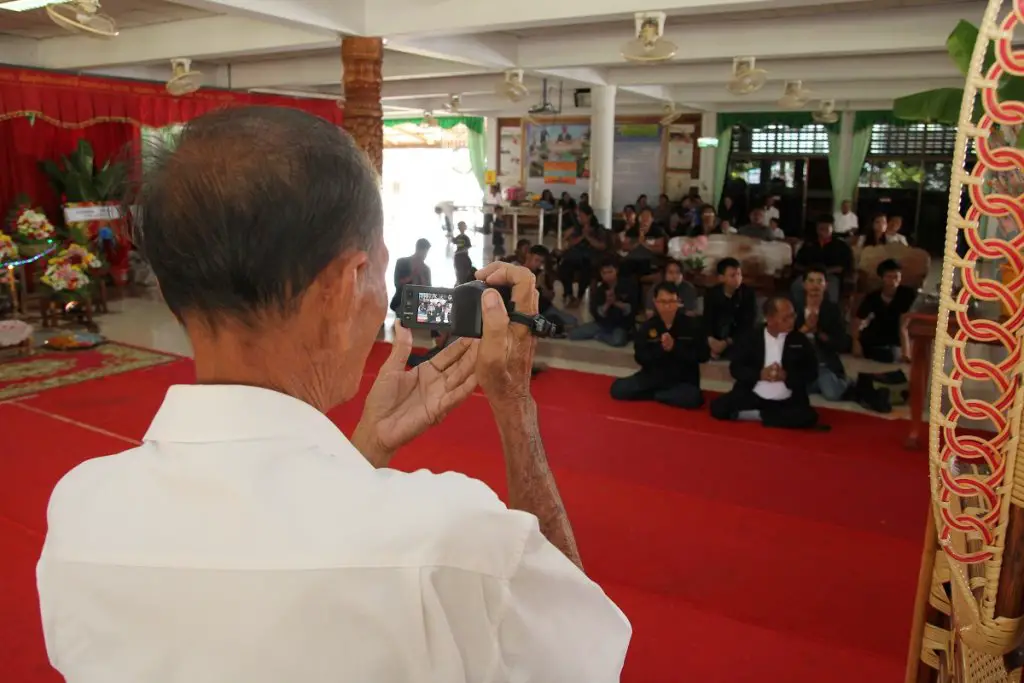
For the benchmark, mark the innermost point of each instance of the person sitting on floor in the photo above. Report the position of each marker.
(773, 368)
(537, 262)
(672, 274)
(584, 245)
(834, 255)
(880, 326)
(821, 321)
(669, 349)
(498, 233)
(611, 306)
(521, 254)
(730, 308)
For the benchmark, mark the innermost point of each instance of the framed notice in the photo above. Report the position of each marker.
(677, 184)
(681, 141)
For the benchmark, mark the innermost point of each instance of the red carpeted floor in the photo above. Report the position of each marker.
(738, 553)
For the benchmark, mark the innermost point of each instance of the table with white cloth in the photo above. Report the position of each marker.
(773, 257)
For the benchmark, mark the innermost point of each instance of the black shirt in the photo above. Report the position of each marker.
(729, 317)
(461, 242)
(544, 290)
(834, 254)
(883, 318)
(682, 363)
(615, 316)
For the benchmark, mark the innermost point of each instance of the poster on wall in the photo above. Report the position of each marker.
(680, 146)
(559, 172)
(511, 145)
(568, 143)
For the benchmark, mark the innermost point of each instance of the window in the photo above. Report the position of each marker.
(782, 140)
(918, 139)
(891, 175)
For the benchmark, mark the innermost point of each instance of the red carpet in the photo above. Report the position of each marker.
(738, 553)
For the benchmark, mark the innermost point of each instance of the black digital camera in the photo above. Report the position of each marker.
(460, 310)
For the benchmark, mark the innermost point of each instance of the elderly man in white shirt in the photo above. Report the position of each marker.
(247, 539)
(846, 221)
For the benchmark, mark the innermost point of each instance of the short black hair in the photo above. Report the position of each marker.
(540, 250)
(666, 287)
(647, 209)
(422, 244)
(523, 242)
(887, 266)
(628, 207)
(608, 263)
(707, 207)
(772, 303)
(586, 210)
(725, 264)
(671, 262)
(816, 268)
(249, 208)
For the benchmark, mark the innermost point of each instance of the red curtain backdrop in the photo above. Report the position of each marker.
(44, 114)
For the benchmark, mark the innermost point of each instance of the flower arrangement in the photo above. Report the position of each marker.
(692, 254)
(78, 255)
(32, 226)
(64, 278)
(8, 249)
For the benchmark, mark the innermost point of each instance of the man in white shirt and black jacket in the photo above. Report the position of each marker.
(669, 348)
(247, 538)
(773, 366)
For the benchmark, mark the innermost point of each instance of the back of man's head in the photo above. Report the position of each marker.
(250, 208)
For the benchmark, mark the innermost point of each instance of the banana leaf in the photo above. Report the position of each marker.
(960, 45)
(931, 106)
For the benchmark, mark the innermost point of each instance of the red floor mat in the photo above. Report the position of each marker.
(738, 553)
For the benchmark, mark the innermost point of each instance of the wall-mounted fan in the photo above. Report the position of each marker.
(454, 104)
(671, 115)
(746, 78)
(826, 112)
(183, 80)
(649, 45)
(83, 16)
(512, 88)
(795, 95)
(428, 120)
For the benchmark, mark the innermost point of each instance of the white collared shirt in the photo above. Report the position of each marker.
(770, 212)
(846, 223)
(246, 540)
(773, 347)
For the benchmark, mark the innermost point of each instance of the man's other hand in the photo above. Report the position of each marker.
(505, 360)
(403, 403)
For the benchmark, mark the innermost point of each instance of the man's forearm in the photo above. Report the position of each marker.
(531, 485)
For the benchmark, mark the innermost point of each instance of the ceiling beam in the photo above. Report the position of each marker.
(902, 30)
(208, 38)
(326, 70)
(832, 69)
(493, 51)
(315, 15)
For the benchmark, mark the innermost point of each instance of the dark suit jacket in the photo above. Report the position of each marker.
(403, 269)
(798, 361)
(682, 363)
(831, 338)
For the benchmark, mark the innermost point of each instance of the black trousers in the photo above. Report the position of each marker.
(651, 386)
(790, 413)
(574, 269)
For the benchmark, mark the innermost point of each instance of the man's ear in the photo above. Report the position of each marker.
(343, 278)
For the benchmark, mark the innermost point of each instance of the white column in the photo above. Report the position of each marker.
(706, 173)
(491, 131)
(602, 151)
(840, 184)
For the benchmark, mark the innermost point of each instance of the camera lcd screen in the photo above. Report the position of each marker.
(434, 308)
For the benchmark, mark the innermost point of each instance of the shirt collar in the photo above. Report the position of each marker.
(210, 413)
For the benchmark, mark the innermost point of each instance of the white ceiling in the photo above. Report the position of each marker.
(862, 53)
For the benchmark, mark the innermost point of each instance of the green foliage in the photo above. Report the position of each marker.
(943, 104)
(77, 179)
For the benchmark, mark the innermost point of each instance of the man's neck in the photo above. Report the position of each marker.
(773, 333)
(668, 320)
(729, 291)
(889, 293)
(814, 300)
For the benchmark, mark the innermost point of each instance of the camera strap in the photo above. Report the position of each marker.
(538, 325)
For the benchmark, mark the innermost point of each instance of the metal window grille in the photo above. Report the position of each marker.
(780, 140)
(914, 140)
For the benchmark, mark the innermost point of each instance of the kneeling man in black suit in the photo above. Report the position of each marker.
(773, 368)
(669, 348)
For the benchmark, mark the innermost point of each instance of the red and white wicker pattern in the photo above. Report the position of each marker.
(981, 520)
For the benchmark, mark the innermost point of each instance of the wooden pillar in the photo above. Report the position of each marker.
(361, 60)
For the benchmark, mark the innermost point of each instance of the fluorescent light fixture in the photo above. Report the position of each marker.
(27, 5)
(707, 142)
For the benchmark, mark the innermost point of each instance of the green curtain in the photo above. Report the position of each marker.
(721, 161)
(835, 164)
(474, 123)
(477, 144)
(858, 153)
